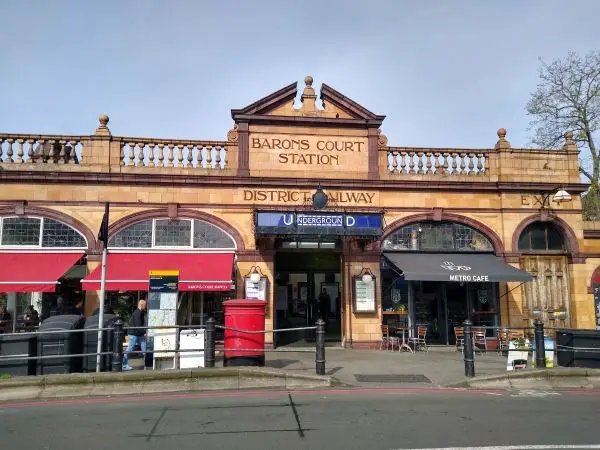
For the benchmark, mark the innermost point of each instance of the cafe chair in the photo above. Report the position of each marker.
(503, 339)
(420, 339)
(459, 333)
(480, 338)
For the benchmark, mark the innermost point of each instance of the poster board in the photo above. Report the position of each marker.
(364, 295)
(162, 312)
(255, 291)
(517, 358)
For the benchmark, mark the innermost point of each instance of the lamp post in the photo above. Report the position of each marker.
(558, 195)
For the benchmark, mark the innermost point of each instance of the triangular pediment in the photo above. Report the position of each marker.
(280, 105)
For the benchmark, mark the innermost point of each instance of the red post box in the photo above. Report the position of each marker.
(246, 315)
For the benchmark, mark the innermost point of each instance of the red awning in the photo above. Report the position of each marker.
(34, 272)
(197, 271)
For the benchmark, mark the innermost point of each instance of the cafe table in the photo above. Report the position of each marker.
(404, 332)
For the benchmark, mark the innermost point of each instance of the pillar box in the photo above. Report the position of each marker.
(247, 315)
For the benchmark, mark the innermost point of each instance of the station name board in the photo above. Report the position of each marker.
(318, 224)
(303, 197)
(292, 151)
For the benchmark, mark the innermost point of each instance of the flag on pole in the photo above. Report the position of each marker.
(103, 233)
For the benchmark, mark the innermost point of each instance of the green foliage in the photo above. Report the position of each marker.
(567, 99)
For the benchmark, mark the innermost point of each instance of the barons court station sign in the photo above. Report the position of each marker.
(331, 156)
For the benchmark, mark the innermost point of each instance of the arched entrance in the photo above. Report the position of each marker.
(543, 251)
(436, 274)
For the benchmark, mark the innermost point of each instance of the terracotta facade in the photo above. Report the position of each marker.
(273, 159)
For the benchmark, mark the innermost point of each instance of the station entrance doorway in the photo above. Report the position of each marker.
(308, 285)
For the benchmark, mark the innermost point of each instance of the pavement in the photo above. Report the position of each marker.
(373, 419)
(441, 366)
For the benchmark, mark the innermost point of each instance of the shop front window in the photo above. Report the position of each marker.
(173, 233)
(437, 236)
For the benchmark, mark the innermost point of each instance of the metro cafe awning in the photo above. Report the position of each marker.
(34, 271)
(197, 271)
(455, 267)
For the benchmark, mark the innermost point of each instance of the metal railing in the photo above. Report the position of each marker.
(117, 336)
(538, 331)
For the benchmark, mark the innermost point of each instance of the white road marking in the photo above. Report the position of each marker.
(534, 393)
(511, 447)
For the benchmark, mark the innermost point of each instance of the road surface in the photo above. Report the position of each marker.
(330, 419)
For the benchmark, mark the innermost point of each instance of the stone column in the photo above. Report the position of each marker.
(360, 330)
(265, 264)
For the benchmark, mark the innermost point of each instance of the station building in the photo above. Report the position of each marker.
(296, 203)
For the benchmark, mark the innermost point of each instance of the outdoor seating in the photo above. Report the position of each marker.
(503, 339)
(420, 339)
(480, 338)
(459, 333)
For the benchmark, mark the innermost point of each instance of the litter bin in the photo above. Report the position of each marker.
(567, 343)
(247, 315)
(90, 343)
(61, 344)
(24, 346)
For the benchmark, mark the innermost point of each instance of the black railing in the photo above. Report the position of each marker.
(117, 337)
(539, 334)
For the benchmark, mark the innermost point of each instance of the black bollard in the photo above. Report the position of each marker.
(209, 344)
(468, 350)
(320, 353)
(540, 345)
(118, 338)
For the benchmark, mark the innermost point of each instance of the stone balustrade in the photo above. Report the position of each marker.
(144, 152)
(438, 162)
(38, 149)
(102, 152)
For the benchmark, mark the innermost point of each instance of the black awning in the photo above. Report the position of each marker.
(457, 267)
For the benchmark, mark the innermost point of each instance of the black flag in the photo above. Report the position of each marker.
(103, 233)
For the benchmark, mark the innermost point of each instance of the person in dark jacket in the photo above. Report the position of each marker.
(138, 319)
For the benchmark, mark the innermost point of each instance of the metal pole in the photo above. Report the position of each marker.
(468, 350)
(320, 351)
(118, 336)
(101, 312)
(209, 343)
(177, 348)
(540, 345)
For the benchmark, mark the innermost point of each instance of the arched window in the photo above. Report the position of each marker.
(437, 236)
(541, 236)
(38, 232)
(173, 233)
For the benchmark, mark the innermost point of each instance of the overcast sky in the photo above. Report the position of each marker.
(445, 73)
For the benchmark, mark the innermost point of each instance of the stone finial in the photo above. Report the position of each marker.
(502, 142)
(103, 129)
(569, 142)
(309, 97)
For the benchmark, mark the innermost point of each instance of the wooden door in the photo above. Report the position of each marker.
(547, 296)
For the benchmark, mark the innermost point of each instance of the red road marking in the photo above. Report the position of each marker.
(244, 394)
(271, 393)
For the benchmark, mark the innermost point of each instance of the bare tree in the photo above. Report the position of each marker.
(567, 98)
